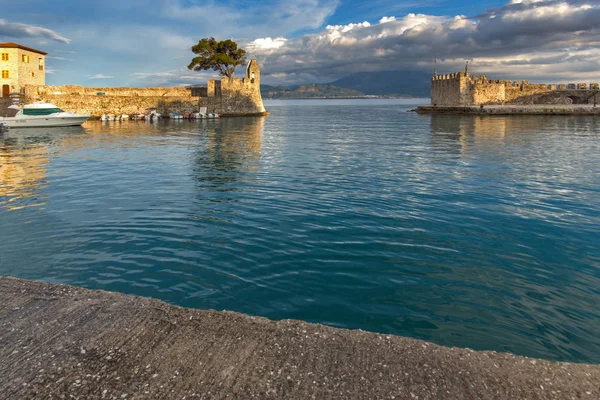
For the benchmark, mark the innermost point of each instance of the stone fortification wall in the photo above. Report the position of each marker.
(462, 89)
(484, 91)
(448, 89)
(76, 90)
(223, 96)
(235, 97)
(98, 101)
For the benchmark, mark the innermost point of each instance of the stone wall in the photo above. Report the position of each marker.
(98, 101)
(448, 89)
(32, 71)
(235, 97)
(77, 90)
(484, 91)
(462, 89)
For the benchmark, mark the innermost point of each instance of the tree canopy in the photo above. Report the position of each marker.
(223, 56)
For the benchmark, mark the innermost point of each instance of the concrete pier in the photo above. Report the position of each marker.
(512, 110)
(60, 341)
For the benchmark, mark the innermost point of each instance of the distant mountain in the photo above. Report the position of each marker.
(400, 83)
(311, 91)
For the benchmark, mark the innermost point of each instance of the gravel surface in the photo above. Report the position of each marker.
(65, 342)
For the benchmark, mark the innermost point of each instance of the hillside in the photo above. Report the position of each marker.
(399, 83)
(311, 91)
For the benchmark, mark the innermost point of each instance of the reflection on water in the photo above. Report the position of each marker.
(467, 231)
(22, 171)
(232, 147)
(467, 132)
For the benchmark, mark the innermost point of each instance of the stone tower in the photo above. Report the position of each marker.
(234, 97)
(253, 73)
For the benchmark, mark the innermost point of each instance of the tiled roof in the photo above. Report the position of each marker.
(11, 45)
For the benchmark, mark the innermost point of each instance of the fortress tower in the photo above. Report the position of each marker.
(235, 97)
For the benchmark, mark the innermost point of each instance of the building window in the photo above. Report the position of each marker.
(32, 74)
(4, 56)
(5, 74)
(40, 64)
(25, 58)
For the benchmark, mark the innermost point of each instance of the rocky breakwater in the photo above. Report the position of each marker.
(556, 109)
(98, 101)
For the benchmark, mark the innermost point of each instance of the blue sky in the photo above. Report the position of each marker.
(147, 42)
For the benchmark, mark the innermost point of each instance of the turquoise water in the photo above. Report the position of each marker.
(466, 231)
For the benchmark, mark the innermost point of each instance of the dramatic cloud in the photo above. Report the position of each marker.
(17, 30)
(550, 34)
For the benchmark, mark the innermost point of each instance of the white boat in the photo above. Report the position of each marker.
(42, 114)
(153, 115)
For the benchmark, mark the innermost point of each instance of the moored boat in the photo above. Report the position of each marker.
(42, 114)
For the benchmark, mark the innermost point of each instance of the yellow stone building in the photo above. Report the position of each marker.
(20, 66)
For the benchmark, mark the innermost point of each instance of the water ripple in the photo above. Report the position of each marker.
(467, 231)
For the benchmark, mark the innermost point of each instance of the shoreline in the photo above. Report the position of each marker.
(61, 340)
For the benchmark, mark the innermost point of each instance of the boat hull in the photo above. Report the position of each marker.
(45, 121)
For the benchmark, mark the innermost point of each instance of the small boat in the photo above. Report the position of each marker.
(204, 114)
(175, 115)
(42, 114)
(153, 115)
(124, 117)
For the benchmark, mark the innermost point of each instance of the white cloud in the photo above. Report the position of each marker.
(100, 76)
(383, 20)
(263, 44)
(18, 30)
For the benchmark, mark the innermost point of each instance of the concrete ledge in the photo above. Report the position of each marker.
(513, 110)
(260, 114)
(60, 341)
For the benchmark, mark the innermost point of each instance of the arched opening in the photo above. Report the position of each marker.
(578, 100)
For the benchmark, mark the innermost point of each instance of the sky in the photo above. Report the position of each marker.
(143, 43)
